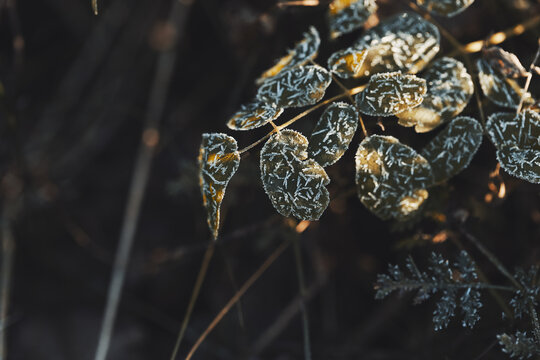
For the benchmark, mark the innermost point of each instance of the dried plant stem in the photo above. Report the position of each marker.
(303, 295)
(256, 275)
(349, 92)
(7, 255)
(194, 295)
(149, 141)
(529, 78)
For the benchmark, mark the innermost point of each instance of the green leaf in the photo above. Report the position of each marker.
(453, 148)
(446, 8)
(294, 183)
(333, 133)
(502, 91)
(517, 139)
(347, 63)
(391, 177)
(345, 16)
(218, 161)
(300, 86)
(449, 89)
(304, 51)
(391, 93)
(254, 115)
(404, 42)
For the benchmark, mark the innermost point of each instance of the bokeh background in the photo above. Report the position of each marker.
(76, 92)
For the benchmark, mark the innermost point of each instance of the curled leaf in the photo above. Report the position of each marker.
(446, 8)
(449, 89)
(294, 183)
(299, 86)
(391, 177)
(404, 42)
(345, 16)
(254, 115)
(517, 139)
(304, 50)
(506, 63)
(218, 161)
(502, 91)
(387, 94)
(348, 62)
(333, 133)
(453, 148)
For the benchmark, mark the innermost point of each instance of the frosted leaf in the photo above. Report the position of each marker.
(347, 63)
(294, 183)
(304, 51)
(345, 16)
(253, 115)
(218, 161)
(391, 93)
(300, 86)
(453, 148)
(446, 8)
(517, 139)
(391, 177)
(449, 89)
(506, 63)
(502, 91)
(333, 133)
(403, 42)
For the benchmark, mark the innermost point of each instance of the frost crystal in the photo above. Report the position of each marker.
(446, 8)
(391, 177)
(218, 161)
(300, 86)
(403, 42)
(347, 63)
(453, 148)
(449, 89)
(254, 115)
(517, 139)
(391, 93)
(294, 183)
(303, 51)
(333, 133)
(345, 16)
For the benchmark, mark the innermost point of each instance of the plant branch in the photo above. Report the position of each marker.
(529, 78)
(303, 295)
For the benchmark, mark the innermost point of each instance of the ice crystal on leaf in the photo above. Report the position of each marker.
(520, 345)
(253, 115)
(345, 16)
(517, 139)
(333, 133)
(299, 86)
(446, 8)
(218, 161)
(348, 62)
(404, 42)
(449, 89)
(391, 177)
(453, 148)
(294, 183)
(391, 93)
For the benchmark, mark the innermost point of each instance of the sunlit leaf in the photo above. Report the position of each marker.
(502, 91)
(345, 16)
(517, 139)
(446, 8)
(299, 86)
(294, 183)
(218, 161)
(304, 50)
(453, 148)
(391, 177)
(506, 63)
(404, 42)
(449, 89)
(333, 133)
(254, 115)
(387, 94)
(347, 63)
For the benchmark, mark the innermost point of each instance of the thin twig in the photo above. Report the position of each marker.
(256, 275)
(8, 251)
(194, 295)
(529, 78)
(150, 139)
(303, 294)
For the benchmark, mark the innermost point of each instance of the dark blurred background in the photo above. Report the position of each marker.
(75, 91)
